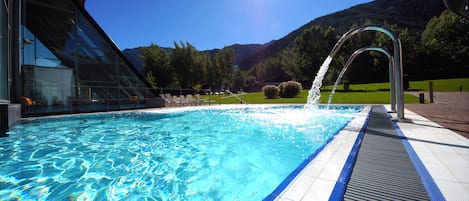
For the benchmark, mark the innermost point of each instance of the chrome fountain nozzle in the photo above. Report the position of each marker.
(460, 7)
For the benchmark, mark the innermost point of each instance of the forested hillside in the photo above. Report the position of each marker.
(411, 14)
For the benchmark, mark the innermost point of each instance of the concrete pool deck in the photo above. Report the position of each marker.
(443, 153)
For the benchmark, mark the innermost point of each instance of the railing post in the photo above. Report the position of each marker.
(399, 77)
(430, 88)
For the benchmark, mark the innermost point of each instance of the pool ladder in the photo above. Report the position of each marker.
(397, 80)
(236, 96)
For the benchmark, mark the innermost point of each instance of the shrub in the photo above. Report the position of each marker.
(289, 89)
(197, 87)
(271, 91)
(346, 85)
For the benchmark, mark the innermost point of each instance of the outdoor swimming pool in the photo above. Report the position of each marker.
(222, 153)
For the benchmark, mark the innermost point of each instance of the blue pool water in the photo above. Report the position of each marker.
(235, 153)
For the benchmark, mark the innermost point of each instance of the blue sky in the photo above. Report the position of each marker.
(206, 24)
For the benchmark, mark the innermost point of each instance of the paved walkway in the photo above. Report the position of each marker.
(450, 110)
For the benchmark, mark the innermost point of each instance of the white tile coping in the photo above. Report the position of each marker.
(317, 180)
(444, 153)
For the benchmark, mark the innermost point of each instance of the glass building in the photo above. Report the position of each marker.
(4, 51)
(56, 59)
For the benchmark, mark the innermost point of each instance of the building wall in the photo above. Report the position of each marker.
(4, 52)
(70, 65)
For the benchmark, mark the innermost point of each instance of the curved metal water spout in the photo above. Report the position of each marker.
(399, 89)
(391, 72)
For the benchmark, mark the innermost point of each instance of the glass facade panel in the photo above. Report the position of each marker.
(89, 73)
(48, 88)
(36, 53)
(3, 52)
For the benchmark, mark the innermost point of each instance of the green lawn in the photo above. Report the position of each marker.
(374, 93)
(374, 97)
(446, 85)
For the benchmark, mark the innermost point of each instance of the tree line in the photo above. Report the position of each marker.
(440, 51)
(185, 67)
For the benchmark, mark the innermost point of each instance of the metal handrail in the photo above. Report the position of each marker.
(391, 72)
(399, 89)
(73, 104)
(237, 97)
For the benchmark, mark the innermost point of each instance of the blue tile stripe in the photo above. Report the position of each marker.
(344, 177)
(292, 176)
(432, 189)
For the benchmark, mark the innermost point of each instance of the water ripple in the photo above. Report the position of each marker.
(196, 155)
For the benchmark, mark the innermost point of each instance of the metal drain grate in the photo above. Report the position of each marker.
(383, 170)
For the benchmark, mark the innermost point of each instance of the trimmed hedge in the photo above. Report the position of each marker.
(271, 91)
(289, 89)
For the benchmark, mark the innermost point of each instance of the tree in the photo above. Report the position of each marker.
(250, 82)
(271, 70)
(312, 48)
(448, 36)
(411, 49)
(239, 80)
(151, 80)
(291, 64)
(190, 65)
(202, 63)
(182, 63)
(156, 62)
(222, 67)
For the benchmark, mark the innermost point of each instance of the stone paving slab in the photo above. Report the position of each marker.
(450, 110)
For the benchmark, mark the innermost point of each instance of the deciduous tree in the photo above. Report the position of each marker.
(156, 62)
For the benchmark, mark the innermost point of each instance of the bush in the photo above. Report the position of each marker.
(289, 89)
(346, 85)
(197, 87)
(271, 91)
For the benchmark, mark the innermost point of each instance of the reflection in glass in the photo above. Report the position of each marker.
(69, 65)
(3, 52)
(36, 53)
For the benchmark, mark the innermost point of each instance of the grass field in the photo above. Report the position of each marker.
(447, 85)
(374, 97)
(375, 93)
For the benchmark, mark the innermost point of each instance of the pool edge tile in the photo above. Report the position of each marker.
(355, 126)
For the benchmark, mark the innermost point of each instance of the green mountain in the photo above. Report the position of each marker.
(411, 14)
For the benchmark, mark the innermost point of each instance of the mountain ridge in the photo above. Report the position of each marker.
(398, 12)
